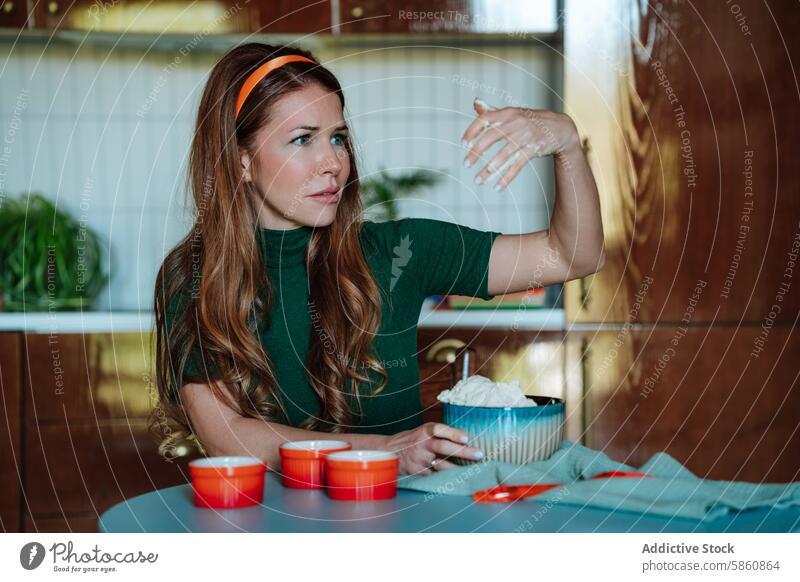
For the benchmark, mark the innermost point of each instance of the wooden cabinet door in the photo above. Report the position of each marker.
(88, 445)
(446, 16)
(13, 14)
(77, 378)
(85, 469)
(129, 16)
(366, 16)
(10, 441)
(295, 16)
(698, 394)
(684, 111)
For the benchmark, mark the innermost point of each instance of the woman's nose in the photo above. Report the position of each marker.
(332, 163)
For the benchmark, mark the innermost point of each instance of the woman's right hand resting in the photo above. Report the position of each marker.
(420, 447)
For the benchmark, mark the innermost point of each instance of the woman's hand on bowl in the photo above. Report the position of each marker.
(426, 448)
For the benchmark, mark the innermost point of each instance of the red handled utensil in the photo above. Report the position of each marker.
(506, 493)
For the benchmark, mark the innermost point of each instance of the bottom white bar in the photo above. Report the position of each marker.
(424, 556)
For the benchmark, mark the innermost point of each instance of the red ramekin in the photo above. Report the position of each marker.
(227, 482)
(302, 462)
(362, 475)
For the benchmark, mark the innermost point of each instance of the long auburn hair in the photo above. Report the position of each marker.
(217, 273)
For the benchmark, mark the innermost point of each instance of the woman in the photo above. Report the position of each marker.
(284, 316)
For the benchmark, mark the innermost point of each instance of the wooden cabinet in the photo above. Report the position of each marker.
(696, 396)
(685, 114)
(78, 409)
(366, 16)
(13, 14)
(128, 16)
(683, 122)
(292, 16)
(304, 17)
(10, 441)
(517, 17)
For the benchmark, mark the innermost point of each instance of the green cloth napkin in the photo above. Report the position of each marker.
(673, 490)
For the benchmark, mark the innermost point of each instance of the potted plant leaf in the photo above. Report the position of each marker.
(48, 260)
(379, 193)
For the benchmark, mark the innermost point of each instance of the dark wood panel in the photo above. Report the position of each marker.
(442, 16)
(697, 394)
(295, 16)
(367, 16)
(420, 16)
(130, 16)
(686, 113)
(86, 377)
(61, 524)
(13, 14)
(89, 468)
(10, 412)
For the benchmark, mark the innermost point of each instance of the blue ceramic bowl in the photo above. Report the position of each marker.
(512, 435)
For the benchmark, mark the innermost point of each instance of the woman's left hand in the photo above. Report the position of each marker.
(530, 133)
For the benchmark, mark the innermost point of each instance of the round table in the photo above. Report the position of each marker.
(297, 510)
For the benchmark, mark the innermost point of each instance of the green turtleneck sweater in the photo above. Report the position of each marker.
(411, 259)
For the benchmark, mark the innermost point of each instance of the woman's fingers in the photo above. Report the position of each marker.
(443, 465)
(514, 168)
(487, 119)
(502, 161)
(485, 141)
(445, 448)
(492, 135)
(480, 106)
(443, 431)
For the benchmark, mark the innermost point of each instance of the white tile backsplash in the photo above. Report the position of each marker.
(113, 129)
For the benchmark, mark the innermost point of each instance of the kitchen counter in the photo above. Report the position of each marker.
(77, 322)
(142, 321)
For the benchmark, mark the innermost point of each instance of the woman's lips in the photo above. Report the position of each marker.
(327, 198)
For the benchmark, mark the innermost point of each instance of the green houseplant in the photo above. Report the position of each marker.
(48, 260)
(379, 193)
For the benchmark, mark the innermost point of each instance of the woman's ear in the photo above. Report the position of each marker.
(245, 159)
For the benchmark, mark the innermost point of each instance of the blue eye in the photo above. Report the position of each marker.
(342, 136)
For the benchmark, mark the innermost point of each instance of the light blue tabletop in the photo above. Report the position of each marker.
(295, 510)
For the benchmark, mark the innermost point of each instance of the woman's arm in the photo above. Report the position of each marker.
(576, 228)
(573, 245)
(223, 431)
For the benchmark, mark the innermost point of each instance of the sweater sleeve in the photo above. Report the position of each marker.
(444, 258)
(197, 368)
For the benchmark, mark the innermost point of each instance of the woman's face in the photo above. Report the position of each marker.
(299, 153)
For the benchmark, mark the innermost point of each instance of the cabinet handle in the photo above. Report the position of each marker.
(8, 7)
(186, 449)
(357, 12)
(449, 351)
(53, 7)
(586, 355)
(585, 297)
(445, 351)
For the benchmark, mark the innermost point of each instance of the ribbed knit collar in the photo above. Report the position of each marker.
(284, 248)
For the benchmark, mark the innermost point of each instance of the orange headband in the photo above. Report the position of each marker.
(261, 72)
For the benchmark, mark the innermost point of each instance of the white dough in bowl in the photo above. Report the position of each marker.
(480, 391)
